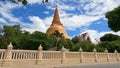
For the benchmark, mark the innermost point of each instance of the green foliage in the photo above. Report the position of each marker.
(110, 42)
(110, 46)
(114, 19)
(32, 41)
(85, 45)
(75, 40)
(110, 37)
(25, 40)
(47, 41)
(24, 2)
(67, 43)
(58, 36)
(61, 41)
(116, 45)
(11, 33)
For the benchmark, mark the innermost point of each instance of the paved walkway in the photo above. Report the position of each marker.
(99, 65)
(90, 65)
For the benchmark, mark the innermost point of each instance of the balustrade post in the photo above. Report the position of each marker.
(107, 55)
(95, 54)
(81, 54)
(8, 55)
(39, 56)
(117, 56)
(63, 54)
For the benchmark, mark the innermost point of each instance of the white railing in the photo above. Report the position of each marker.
(8, 55)
(2, 54)
(51, 55)
(24, 54)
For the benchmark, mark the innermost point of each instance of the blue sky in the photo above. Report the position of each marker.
(77, 16)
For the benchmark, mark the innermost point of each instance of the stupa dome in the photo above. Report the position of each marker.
(56, 25)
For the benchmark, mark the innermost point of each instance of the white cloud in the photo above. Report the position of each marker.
(46, 12)
(66, 7)
(93, 10)
(34, 1)
(37, 24)
(2, 21)
(5, 11)
(76, 21)
(100, 7)
(98, 22)
(47, 21)
(10, 17)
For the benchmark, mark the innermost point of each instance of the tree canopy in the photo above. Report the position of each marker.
(109, 42)
(31, 41)
(109, 37)
(114, 19)
(24, 2)
(23, 39)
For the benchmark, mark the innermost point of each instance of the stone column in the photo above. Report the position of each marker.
(117, 56)
(107, 55)
(63, 55)
(39, 56)
(8, 55)
(81, 55)
(95, 54)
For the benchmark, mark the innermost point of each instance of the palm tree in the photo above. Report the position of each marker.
(57, 36)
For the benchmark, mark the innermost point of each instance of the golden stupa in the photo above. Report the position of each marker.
(56, 25)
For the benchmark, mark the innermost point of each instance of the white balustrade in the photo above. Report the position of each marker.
(24, 54)
(2, 54)
(10, 54)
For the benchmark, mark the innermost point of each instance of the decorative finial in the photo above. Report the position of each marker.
(10, 45)
(63, 47)
(40, 47)
(94, 50)
(106, 50)
(80, 49)
(116, 51)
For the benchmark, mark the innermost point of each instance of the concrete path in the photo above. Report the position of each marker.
(99, 65)
(90, 65)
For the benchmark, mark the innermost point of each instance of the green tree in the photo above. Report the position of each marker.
(24, 2)
(102, 46)
(75, 40)
(32, 41)
(25, 40)
(67, 43)
(47, 41)
(1, 38)
(116, 45)
(85, 45)
(10, 34)
(110, 37)
(114, 19)
(58, 36)
(110, 46)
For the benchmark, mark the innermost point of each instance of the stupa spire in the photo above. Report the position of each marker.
(56, 18)
(56, 25)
